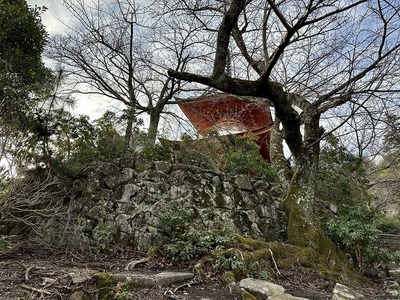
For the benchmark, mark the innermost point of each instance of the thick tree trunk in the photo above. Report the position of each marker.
(131, 118)
(300, 199)
(304, 228)
(278, 158)
(153, 126)
(128, 132)
(299, 207)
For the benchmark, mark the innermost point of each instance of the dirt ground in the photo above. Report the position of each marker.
(31, 272)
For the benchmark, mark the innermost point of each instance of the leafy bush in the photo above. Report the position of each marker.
(102, 234)
(153, 151)
(342, 178)
(258, 272)
(214, 251)
(65, 143)
(4, 244)
(388, 228)
(389, 225)
(238, 260)
(354, 229)
(228, 261)
(250, 163)
(175, 219)
(187, 242)
(243, 157)
(110, 143)
(193, 244)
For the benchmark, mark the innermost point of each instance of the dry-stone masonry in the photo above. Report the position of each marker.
(342, 292)
(125, 200)
(389, 241)
(263, 290)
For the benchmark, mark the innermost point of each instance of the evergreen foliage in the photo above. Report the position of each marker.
(22, 72)
(355, 230)
(342, 178)
(343, 181)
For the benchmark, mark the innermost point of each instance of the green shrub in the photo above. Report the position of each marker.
(390, 225)
(243, 157)
(228, 261)
(102, 235)
(187, 242)
(153, 151)
(251, 164)
(175, 219)
(342, 178)
(4, 244)
(193, 244)
(355, 230)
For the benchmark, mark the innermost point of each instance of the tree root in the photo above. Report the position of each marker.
(30, 288)
(27, 272)
(275, 264)
(131, 265)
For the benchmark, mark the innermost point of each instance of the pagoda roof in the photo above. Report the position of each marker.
(229, 113)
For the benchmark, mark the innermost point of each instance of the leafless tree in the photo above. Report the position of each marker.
(312, 59)
(121, 50)
(384, 174)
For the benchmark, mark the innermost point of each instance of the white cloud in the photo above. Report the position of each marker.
(55, 15)
(54, 19)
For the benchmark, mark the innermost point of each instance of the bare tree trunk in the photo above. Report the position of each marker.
(278, 159)
(303, 222)
(129, 126)
(153, 126)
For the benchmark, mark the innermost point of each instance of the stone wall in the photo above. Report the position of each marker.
(124, 201)
(389, 241)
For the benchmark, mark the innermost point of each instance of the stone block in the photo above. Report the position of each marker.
(124, 223)
(79, 277)
(124, 193)
(223, 201)
(92, 184)
(119, 178)
(285, 296)
(247, 296)
(100, 168)
(392, 289)
(170, 278)
(127, 162)
(243, 182)
(262, 289)
(80, 295)
(395, 274)
(136, 280)
(163, 166)
(342, 292)
(97, 212)
(142, 165)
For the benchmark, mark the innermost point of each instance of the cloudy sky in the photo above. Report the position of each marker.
(53, 19)
(54, 15)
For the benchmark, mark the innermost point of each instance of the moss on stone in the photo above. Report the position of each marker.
(220, 200)
(247, 296)
(251, 243)
(313, 248)
(228, 277)
(110, 286)
(323, 258)
(105, 284)
(153, 252)
(80, 295)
